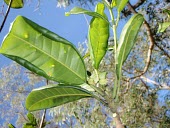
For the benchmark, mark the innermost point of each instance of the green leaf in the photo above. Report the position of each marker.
(43, 52)
(28, 125)
(32, 119)
(15, 3)
(77, 10)
(167, 11)
(127, 39)
(120, 4)
(163, 26)
(98, 36)
(113, 4)
(11, 126)
(54, 95)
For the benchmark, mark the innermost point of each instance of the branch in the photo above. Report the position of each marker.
(160, 86)
(139, 3)
(131, 8)
(43, 116)
(42, 119)
(135, 6)
(22, 116)
(6, 15)
(151, 46)
(118, 121)
(165, 53)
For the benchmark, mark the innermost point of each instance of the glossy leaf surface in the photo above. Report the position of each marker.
(120, 4)
(127, 39)
(77, 10)
(43, 52)
(54, 95)
(15, 3)
(98, 36)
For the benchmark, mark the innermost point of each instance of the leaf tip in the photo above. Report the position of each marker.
(67, 14)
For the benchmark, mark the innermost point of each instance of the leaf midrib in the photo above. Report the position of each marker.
(47, 55)
(121, 62)
(57, 96)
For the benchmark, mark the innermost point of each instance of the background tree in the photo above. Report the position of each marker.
(140, 98)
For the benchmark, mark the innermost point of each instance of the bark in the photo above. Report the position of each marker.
(118, 121)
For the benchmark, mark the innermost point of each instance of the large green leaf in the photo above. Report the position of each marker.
(77, 10)
(120, 4)
(15, 3)
(163, 26)
(127, 39)
(43, 52)
(98, 36)
(54, 95)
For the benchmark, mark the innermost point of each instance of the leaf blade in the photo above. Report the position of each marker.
(54, 95)
(163, 26)
(127, 40)
(77, 10)
(43, 52)
(120, 4)
(98, 36)
(15, 3)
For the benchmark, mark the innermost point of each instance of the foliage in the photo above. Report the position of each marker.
(15, 3)
(136, 103)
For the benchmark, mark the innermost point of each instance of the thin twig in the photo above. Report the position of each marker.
(43, 116)
(139, 3)
(165, 53)
(131, 8)
(6, 15)
(22, 116)
(118, 121)
(135, 6)
(42, 119)
(151, 46)
(144, 84)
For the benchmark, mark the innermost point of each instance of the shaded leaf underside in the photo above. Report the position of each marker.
(52, 96)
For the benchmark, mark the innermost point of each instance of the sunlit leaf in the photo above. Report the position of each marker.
(120, 4)
(28, 125)
(113, 4)
(32, 119)
(127, 39)
(43, 52)
(110, 3)
(15, 3)
(98, 36)
(54, 95)
(163, 26)
(77, 10)
(11, 126)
